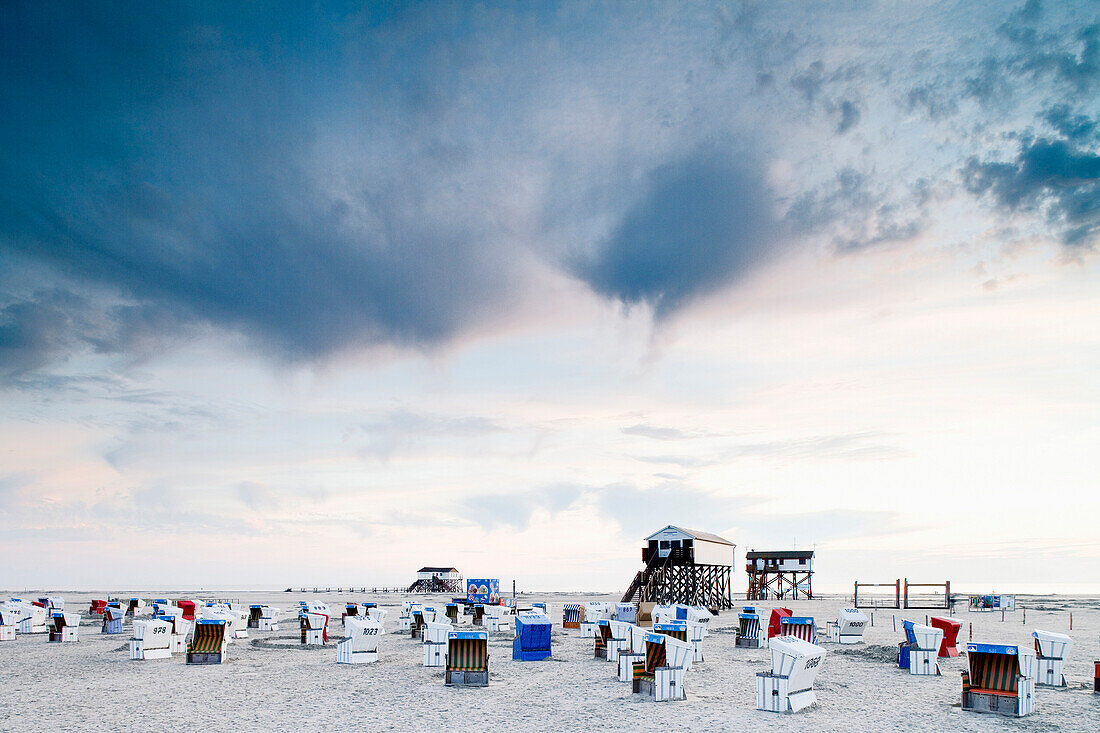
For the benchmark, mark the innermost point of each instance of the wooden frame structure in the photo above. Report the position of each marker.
(901, 595)
(783, 575)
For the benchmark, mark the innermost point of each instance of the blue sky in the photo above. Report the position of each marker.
(510, 286)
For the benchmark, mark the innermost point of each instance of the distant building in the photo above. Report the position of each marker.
(437, 580)
(785, 574)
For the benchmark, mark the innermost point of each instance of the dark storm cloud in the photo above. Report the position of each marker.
(1047, 175)
(700, 223)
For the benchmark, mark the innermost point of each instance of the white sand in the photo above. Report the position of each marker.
(93, 685)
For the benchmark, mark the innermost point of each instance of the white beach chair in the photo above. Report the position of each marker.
(435, 642)
(848, 627)
(633, 652)
(7, 624)
(152, 639)
(661, 675)
(64, 626)
(360, 642)
(1051, 652)
(920, 650)
(788, 687)
(33, 620)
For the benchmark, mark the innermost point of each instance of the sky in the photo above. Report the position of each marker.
(297, 294)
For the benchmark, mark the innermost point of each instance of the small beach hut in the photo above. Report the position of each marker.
(800, 626)
(572, 615)
(112, 619)
(467, 659)
(626, 612)
(151, 639)
(64, 626)
(774, 628)
(920, 649)
(789, 686)
(1051, 651)
(360, 642)
(188, 608)
(532, 641)
(848, 628)
(661, 675)
(435, 642)
(209, 642)
(748, 629)
(950, 628)
(998, 680)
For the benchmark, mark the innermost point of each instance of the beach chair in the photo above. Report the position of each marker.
(188, 608)
(467, 662)
(33, 620)
(64, 626)
(269, 619)
(209, 642)
(998, 680)
(532, 640)
(778, 614)
(416, 627)
(435, 642)
(135, 607)
(255, 612)
(360, 642)
(96, 607)
(626, 612)
(619, 640)
(950, 628)
(572, 615)
(52, 603)
(152, 639)
(240, 620)
(848, 627)
(645, 614)
(378, 614)
(180, 628)
(451, 611)
(789, 686)
(920, 649)
(540, 608)
(661, 675)
(601, 635)
(404, 620)
(224, 612)
(350, 609)
(495, 617)
(632, 653)
(313, 626)
(479, 614)
(1051, 651)
(7, 624)
(799, 626)
(112, 620)
(748, 629)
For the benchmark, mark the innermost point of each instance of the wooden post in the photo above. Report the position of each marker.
(872, 618)
(1071, 620)
(895, 620)
(897, 593)
(970, 635)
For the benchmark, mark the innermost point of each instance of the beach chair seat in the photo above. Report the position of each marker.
(532, 640)
(661, 675)
(151, 639)
(920, 650)
(788, 686)
(112, 620)
(188, 608)
(64, 626)
(434, 646)
(775, 621)
(467, 663)
(360, 642)
(208, 643)
(950, 628)
(602, 634)
(998, 680)
(1051, 652)
(748, 630)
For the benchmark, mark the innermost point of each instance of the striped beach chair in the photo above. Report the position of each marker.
(572, 616)
(603, 633)
(661, 675)
(632, 652)
(208, 643)
(774, 622)
(801, 627)
(998, 680)
(748, 630)
(467, 659)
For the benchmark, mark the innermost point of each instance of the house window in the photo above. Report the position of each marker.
(802, 561)
(664, 544)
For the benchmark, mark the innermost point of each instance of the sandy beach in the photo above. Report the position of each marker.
(93, 685)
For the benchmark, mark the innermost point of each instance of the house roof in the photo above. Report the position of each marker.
(695, 534)
(781, 555)
(437, 570)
